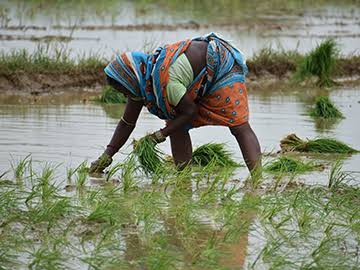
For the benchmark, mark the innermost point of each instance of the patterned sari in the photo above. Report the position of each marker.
(218, 90)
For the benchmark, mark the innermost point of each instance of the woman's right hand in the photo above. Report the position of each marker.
(100, 164)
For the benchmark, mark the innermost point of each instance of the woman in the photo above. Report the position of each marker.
(191, 83)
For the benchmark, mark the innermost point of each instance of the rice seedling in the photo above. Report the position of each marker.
(289, 165)
(82, 174)
(320, 62)
(20, 168)
(127, 174)
(214, 153)
(149, 156)
(111, 96)
(319, 145)
(324, 108)
(113, 170)
(43, 258)
(337, 177)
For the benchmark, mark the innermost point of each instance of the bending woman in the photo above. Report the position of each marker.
(189, 84)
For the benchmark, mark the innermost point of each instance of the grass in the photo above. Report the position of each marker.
(111, 96)
(57, 61)
(267, 60)
(285, 164)
(214, 153)
(48, 60)
(324, 108)
(320, 62)
(319, 145)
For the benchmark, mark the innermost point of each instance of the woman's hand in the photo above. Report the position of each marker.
(157, 137)
(100, 164)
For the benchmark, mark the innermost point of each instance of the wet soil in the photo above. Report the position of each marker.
(262, 75)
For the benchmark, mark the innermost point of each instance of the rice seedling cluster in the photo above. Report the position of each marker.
(149, 156)
(324, 108)
(205, 222)
(285, 164)
(320, 63)
(214, 153)
(318, 145)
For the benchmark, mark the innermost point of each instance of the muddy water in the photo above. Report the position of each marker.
(71, 133)
(250, 26)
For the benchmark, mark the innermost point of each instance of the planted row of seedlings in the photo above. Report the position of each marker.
(159, 217)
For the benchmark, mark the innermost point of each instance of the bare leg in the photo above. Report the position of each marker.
(181, 147)
(249, 145)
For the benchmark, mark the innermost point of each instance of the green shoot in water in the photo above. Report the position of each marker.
(20, 168)
(320, 62)
(337, 177)
(214, 153)
(324, 108)
(82, 174)
(320, 145)
(289, 165)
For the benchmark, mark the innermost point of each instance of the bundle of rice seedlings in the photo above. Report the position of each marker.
(149, 156)
(320, 145)
(289, 165)
(111, 96)
(214, 153)
(320, 62)
(324, 108)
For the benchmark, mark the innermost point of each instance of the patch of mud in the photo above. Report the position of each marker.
(264, 75)
(36, 84)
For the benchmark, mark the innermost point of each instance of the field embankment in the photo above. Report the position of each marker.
(41, 73)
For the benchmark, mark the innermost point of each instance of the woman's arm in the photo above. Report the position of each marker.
(125, 126)
(186, 111)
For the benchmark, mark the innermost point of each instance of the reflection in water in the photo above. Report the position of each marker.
(70, 134)
(323, 125)
(114, 111)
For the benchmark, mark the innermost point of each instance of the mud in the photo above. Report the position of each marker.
(262, 75)
(35, 84)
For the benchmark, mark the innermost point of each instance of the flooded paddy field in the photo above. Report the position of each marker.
(54, 216)
(299, 211)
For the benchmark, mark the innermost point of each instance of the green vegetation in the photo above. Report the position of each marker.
(285, 164)
(267, 60)
(149, 156)
(48, 60)
(320, 63)
(111, 96)
(87, 70)
(324, 108)
(201, 224)
(215, 154)
(320, 145)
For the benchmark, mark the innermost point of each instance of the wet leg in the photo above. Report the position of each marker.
(181, 147)
(249, 145)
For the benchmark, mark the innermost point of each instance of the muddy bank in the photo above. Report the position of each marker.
(264, 73)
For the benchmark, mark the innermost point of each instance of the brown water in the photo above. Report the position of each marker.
(71, 133)
(251, 25)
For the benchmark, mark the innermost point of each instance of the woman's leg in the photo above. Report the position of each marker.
(249, 145)
(181, 147)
